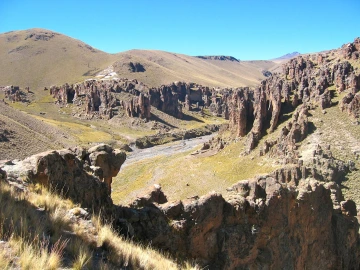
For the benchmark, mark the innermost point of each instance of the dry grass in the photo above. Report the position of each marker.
(124, 252)
(5, 260)
(40, 234)
(83, 259)
(23, 227)
(184, 175)
(84, 133)
(37, 254)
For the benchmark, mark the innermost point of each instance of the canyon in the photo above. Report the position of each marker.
(300, 212)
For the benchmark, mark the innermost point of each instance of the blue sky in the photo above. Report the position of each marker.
(244, 29)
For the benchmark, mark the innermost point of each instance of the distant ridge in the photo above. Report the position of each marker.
(218, 57)
(287, 56)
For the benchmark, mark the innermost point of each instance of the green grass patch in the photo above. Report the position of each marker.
(184, 175)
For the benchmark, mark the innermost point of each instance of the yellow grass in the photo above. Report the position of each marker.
(28, 239)
(83, 133)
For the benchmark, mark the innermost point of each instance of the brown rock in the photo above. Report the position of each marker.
(108, 160)
(351, 104)
(349, 208)
(153, 195)
(261, 223)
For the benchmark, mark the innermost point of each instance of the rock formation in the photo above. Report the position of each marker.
(303, 81)
(138, 107)
(219, 57)
(351, 50)
(264, 222)
(351, 104)
(96, 97)
(286, 145)
(240, 109)
(166, 100)
(13, 93)
(102, 99)
(136, 67)
(83, 175)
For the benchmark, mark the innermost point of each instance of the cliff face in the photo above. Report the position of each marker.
(311, 79)
(266, 222)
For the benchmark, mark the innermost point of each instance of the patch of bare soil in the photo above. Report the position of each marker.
(22, 135)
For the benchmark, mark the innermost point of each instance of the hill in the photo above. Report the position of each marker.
(39, 58)
(287, 56)
(165, 67)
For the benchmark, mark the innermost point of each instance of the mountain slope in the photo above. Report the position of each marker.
(22, 135)
(39, 58)
(287, 56)
(165, 67)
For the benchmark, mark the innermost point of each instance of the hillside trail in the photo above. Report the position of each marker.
(166, 149)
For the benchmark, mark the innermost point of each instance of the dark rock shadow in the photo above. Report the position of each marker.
(311, 127)
(187, 117)
(333, 94)
(155, 118)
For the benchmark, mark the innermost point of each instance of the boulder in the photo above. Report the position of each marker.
(74, 173)
(153, 195)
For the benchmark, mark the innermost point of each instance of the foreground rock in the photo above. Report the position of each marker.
(83, 175)
(270, 222)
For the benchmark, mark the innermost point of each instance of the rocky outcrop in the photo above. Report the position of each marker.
(324, 167)
(305, 80)
(289, 219)
(285, 220)
(285, 145)
(153, 195)
(94, 97)
(108, 160)
(102, 99)
(351, 104)
(266, 73)
(41, 35)
(219, 57)
(351, 50)
(13, 93)
(82, 175)
(136, 67)
(261, 223)
(138, 107)
(166, 100)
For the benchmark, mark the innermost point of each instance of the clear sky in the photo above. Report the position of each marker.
(244, 29)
